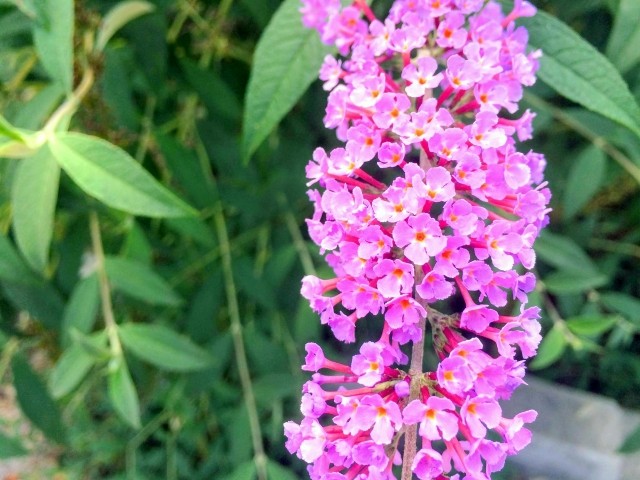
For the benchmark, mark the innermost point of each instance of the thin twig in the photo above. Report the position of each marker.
(238, 342)
(105, 289)
(296, 236)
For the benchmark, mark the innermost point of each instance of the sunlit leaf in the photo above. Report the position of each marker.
(111, 175)
(286, 62)
(53, 37)
(576, 70)
(34, 195)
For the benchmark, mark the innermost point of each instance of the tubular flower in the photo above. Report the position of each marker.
(429, 199)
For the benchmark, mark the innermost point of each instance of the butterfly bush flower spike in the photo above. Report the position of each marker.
(429, 202)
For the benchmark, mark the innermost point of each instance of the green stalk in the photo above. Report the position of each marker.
(105, 290)
(260, 458)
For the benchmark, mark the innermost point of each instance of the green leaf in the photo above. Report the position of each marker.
(286, 61)
(246, 471)
(187, 170)
(70, 370)
(193, 228)
(590, 325)
(10, 447)
(577, 71)
(622, 303)
(139, 281)
(273, 387)
(551, 348)
(82, 308)
(570, 282)
(136, 246)
(275, 470)
(94, 344)
(111, 175)
(40, 299)
(585, 179)
(12, 267)
(563, 253)
(118, 17)
(164, 347)
(122, 393)
(9, 131)
(33, 196)
(33, 113)
(35, 401)
(622, 47)
(12, 24)
(214, 92)
(631, 443)
(53, 37)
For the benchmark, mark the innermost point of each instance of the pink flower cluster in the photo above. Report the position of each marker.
(428, 200)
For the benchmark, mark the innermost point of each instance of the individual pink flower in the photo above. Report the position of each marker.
(421, 76)
(384, 417)
(428, 464)
(480, 413)
(369, 364)
(396, 278)
(437, 418)
(477, 318)
(438, 186)
(420, 237)
(403, 311)
(455, 375)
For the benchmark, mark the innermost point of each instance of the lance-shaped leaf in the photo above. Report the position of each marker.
(34, 194)
(622, 47)
(35, 401)
(10, 447)
(139, 281)
(577, 71)
(118, 17)
(286, 62)
(53, 37)
(111, 175)
(81, 309)
(70, 370)
(12, 267)
(551, 348)
(163, 347)
(122, 392)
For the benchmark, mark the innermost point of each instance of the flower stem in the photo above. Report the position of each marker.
(415, 371)
(111, 326)
(260, 458)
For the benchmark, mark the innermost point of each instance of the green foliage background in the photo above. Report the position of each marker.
(152, 198)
